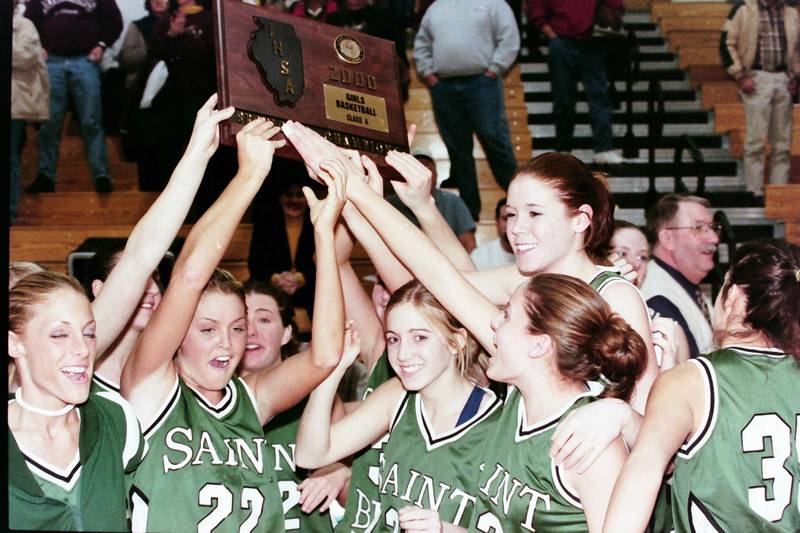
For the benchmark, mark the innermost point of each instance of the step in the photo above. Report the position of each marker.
(638, 106)
(83, 208)
(72, 173)
(639, 93)
(699, 74)
(665, 184)
(727, 199)
(641, 141)
(619, 129)
(738, 136)
(434, 144)
(661, 10)
(731, 117)
(426, 122)
(645, 56)
(667, 168)
(666, 74)
(679, 39)
(699, 55)
(619, 117)
(719, 92)
(420, 97)
(689, 23)
(710, 154)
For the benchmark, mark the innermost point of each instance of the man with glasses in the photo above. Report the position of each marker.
(684, 238)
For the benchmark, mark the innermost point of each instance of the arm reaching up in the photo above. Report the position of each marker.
(150, 371)
(280, 388)
(154, 233)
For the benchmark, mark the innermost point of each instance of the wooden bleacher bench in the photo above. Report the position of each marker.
(690, 55)
(719, 92)
(781, 203)
(659, 11)
(729, 117)
(689, 23)
(521, 142)
(737, 137)
(699, 74)
(679, 38)
(84, 208)
(424, 119)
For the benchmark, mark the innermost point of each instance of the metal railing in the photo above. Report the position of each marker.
(727, 236)
(656, 116)
(686, 143)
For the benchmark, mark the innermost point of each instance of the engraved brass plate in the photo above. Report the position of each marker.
(355, 108)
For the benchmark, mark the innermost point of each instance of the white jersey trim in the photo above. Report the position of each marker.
(621, 279)
(132, 432)
(711, 397)
(433, 441)
(64, 478)
(106, 383)
(222, 408)
(562, 485)
(166, 408)
(525, 432)
(772, 353)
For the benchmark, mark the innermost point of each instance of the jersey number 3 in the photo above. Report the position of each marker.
(772, 427)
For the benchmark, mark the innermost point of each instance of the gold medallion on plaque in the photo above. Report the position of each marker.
(349, 49)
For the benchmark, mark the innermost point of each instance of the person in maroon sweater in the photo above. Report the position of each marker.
(574, 52)
(74, 35)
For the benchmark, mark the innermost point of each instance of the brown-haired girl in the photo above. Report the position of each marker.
(560, 218)
(718, 411)
(208, 465)
(69, 450)
(436, 413)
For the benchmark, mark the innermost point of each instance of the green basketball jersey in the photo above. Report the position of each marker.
(606, 276)
(520, 489)
(424, 469)
(281, 434)
(363, 501)
(740, 470)
(208, 467)
(91, 494)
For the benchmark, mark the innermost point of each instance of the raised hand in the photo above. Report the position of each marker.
(665, 340)
(325, 213)
(255, 147)
(322, 487)
(626, 269)
(420, 520)
(416, 190)
(205, 134)
(314, 149)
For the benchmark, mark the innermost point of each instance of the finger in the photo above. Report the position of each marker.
(411, 133)
(222, 114)
(332, 168)
(312, 501)
(589, 460)
(252, 124)
(579, 454)
(263, 127)
(311, 198)
(327, 503)
(278, 144)
(566, 449)
(210, 104)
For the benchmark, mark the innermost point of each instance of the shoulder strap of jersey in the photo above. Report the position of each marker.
(710, 409)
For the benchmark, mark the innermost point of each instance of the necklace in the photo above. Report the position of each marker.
(39, 411)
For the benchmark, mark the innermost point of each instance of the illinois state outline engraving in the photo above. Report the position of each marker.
(276, 50)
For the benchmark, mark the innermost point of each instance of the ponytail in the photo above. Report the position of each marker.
(592, 343)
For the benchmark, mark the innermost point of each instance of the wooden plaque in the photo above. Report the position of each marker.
(342, 83)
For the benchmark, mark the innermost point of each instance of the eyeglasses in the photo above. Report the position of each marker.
(702, 227)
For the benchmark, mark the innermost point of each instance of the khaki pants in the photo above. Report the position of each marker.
(768, 112)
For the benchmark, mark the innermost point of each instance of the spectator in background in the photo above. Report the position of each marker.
(359, 15)
(30, 94)
(320, 10)
(573, 52)
(184, 42)
(133, 53)
(759, 50)
(685, 239)
(74, 36)
(462, 50)
(282, 247)
(452, 208)
(497, 252)
(631, 244)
